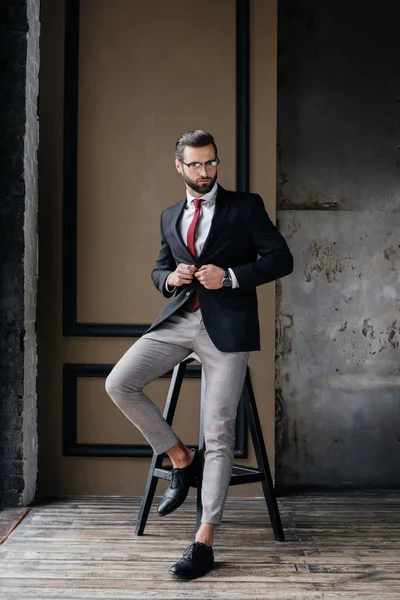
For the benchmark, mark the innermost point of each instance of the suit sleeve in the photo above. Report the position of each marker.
(165, 264)
(275, 259)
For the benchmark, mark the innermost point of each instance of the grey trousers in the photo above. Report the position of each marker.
(157, 352)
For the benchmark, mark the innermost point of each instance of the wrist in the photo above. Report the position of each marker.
(171, 279)
(226, 279)
(169, 286)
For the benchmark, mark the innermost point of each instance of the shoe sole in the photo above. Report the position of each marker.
(188, 578)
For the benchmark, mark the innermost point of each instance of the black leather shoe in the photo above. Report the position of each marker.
(197, 560)
(176, 493)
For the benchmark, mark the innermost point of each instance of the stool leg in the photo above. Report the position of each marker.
(156, 461)
(262, 460)
(148, 494)
(199, 507)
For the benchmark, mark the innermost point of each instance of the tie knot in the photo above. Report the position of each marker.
(197, 202)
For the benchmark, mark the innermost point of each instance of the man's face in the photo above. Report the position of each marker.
(200, 180)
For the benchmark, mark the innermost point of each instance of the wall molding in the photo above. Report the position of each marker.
(71, 326)
(243, 95)
(71, 446)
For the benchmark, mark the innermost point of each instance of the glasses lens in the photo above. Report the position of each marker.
(197, 165)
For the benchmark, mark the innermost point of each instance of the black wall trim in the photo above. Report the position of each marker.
(71, 327)
(71, 447)
(71, 78)
(242, 95)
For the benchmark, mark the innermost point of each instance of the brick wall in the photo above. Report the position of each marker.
(19, 65)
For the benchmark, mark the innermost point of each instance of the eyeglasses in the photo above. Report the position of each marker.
(194, 166)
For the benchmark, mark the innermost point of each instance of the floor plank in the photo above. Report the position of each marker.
(340, 547)
(9, 519)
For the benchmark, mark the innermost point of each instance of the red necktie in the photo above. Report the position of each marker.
(191, 236)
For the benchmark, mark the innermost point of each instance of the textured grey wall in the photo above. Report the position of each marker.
(338, 355)
(31, 145)
(19, 52)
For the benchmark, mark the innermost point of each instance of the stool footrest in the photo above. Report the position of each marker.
(241, 469)
(240, 474)
(163, 473)
(246, 478)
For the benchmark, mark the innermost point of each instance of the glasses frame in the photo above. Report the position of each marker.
(206, 164)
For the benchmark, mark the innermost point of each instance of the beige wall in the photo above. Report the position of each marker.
(145, 76)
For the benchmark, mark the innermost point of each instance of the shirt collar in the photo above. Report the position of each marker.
(211, 195)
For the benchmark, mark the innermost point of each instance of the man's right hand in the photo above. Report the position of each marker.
(182, 274)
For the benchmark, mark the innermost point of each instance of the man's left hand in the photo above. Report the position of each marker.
(210, 276)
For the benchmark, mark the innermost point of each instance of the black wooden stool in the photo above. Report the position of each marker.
(241, 474)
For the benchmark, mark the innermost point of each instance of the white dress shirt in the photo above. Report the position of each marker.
(203, 224)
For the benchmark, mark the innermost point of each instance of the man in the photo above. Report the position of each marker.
(216, 248)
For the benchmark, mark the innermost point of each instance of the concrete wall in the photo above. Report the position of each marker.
(19, 51)
(338, 367)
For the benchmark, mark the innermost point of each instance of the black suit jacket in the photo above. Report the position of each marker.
(241, 237)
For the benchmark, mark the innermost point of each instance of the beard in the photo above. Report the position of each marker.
(204, 188)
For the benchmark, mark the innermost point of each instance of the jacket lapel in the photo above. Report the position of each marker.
(175, 222)
(221, 209)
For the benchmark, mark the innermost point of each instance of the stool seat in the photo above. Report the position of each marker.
(241, 474)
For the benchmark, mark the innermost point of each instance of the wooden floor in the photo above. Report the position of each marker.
(9, 519)
(343, 546)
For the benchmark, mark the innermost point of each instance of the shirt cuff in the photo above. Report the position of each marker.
(235, 283)
(170, 290)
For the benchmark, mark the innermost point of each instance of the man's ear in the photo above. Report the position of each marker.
(178, 166)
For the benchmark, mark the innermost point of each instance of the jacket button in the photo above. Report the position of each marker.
(187, 293)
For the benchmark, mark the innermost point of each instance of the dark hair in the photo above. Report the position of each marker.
(195, 139)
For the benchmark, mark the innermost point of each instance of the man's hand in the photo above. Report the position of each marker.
(210, 276)
(182, 274)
